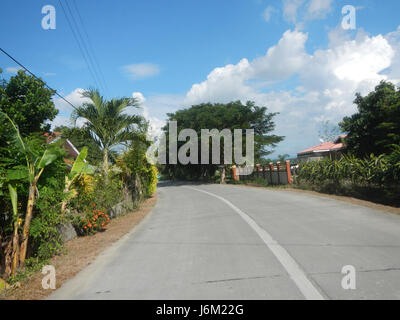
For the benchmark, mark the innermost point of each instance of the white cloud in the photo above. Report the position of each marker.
(64, 116)
(61, 121)
(13, 70)
(394, 40)
(155, 109)
(280, 62)
(295, 10)
(290, 8)
(139, 97)
(268, 12)
(284, 59)
(325, 84)
(141, 70)
(318, 8)
(75, 98)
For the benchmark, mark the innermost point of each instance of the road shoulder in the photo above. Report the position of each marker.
(81, 252)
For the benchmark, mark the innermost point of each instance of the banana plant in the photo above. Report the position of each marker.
(79, 168)
(17, 222)
(35, 165)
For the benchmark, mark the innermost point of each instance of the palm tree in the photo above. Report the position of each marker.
(108, 122)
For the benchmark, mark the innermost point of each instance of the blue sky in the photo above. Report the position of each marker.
(291, 56)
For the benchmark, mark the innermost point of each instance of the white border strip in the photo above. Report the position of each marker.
(295, 272)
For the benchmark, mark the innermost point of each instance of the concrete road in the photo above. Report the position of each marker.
(235, 242)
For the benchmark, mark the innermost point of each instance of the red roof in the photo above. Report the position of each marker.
(70, 148)
(325, 146)
(51, 136)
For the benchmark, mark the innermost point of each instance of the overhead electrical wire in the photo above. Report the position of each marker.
(87, 53)
(90, 45)
(75, 35)
(32, 74)
(90, 53)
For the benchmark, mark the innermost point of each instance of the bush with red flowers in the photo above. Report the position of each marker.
(95, 221)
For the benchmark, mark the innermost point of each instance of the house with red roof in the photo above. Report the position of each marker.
(72, 152)
(332, 149)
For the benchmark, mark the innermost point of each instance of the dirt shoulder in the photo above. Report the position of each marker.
(348, 199)
(81, 252)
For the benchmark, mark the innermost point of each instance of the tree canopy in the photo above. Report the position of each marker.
(375, 128)
(233, 115)
(28, 103)
(107, 121)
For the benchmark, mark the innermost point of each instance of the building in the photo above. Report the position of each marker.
(332, 149)
(72, 152)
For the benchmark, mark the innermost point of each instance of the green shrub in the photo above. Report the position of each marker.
(136, 168)
(94, 221)
(373, 178)
(45, 239)
(105, 194)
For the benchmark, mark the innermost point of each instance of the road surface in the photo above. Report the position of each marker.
(233, 242)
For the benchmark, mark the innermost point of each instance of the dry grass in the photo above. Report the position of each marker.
(80, 253)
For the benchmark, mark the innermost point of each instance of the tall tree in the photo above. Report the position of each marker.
(108, 122)
(28, 103)
(233, 115)
(375, 128)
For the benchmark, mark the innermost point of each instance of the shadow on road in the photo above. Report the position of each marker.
(169, 183)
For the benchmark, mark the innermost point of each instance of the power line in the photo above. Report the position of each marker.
(79, 44)
(90, 45)
(31, 73)
(84, 45)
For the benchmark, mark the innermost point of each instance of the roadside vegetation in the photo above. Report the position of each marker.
(370, 168)
(43, 188)
(373, 178)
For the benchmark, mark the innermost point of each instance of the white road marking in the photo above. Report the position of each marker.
(295, 272)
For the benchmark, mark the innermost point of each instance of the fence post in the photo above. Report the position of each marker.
(278, 166)
(234, 172)
(263, 169)
(289, 173)
(271, 168)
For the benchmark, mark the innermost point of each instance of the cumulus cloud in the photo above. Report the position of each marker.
(141, 70)
(280, 62)
(393, 39)
(284, 59)
(139, 97)
(155, 108)
(325, 81)
(64, 116)
(75, 98)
